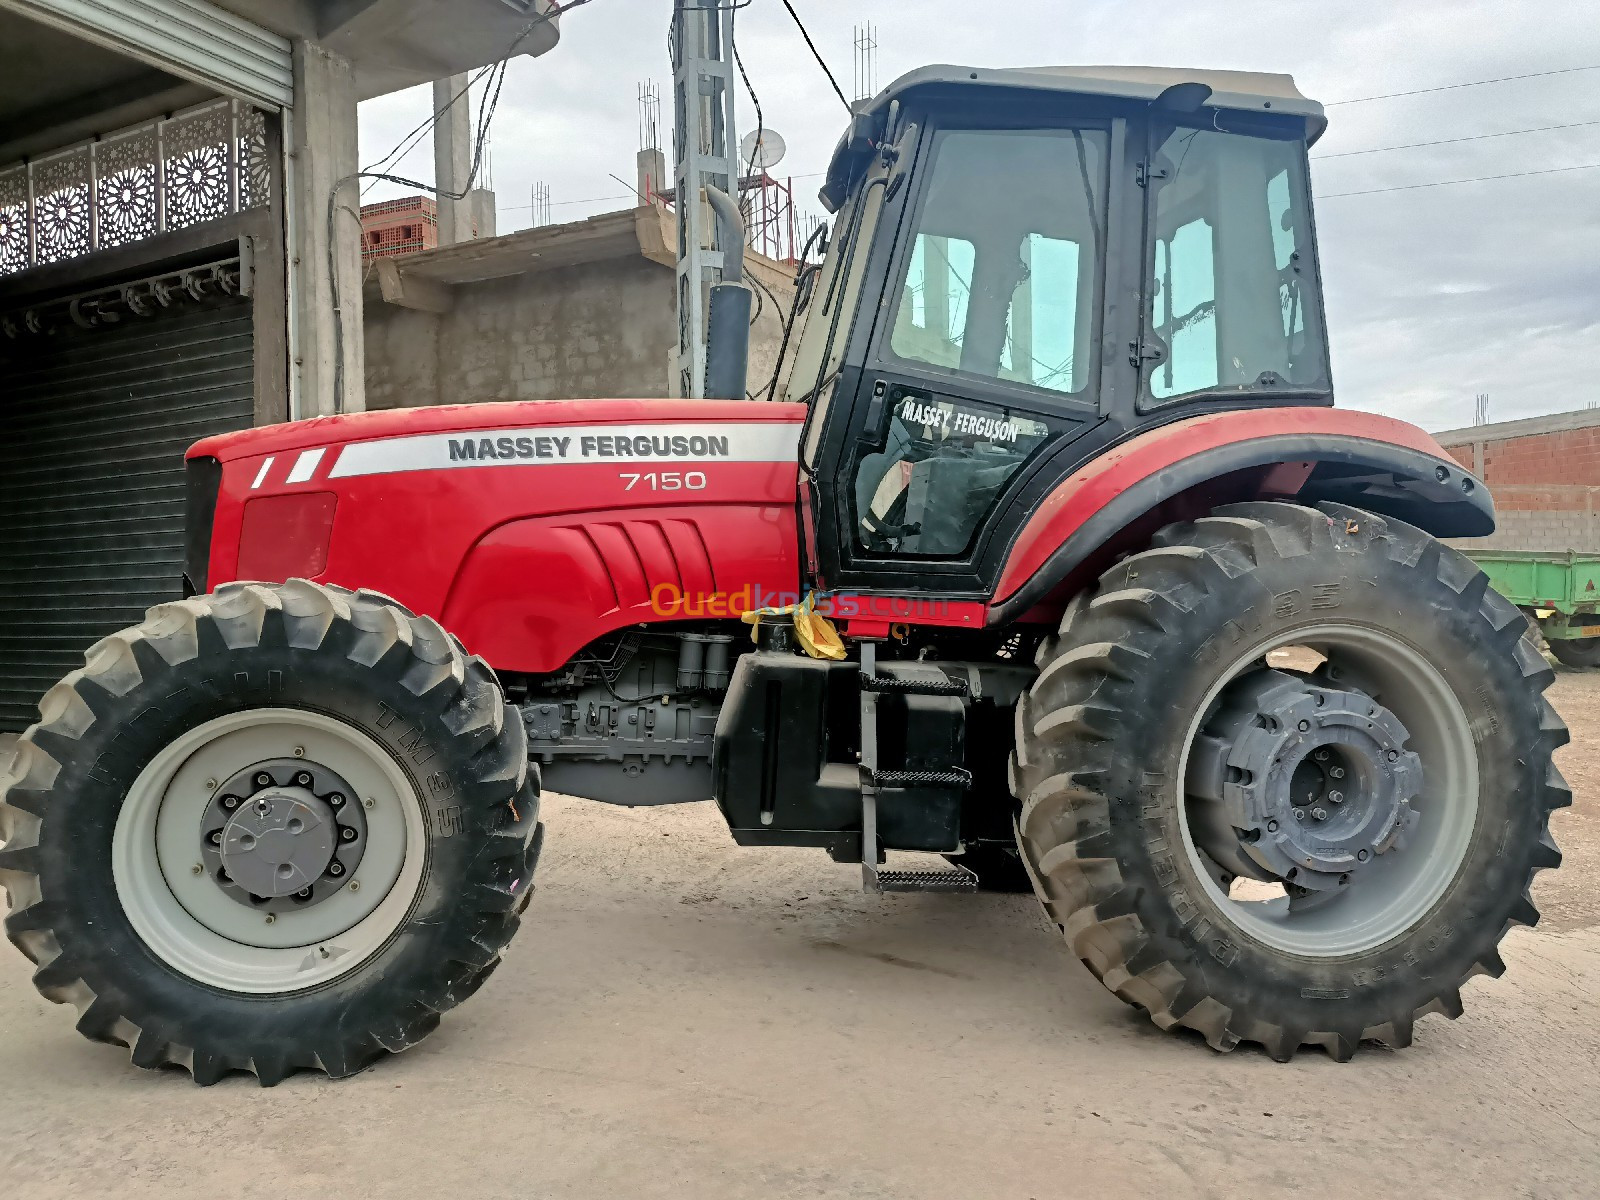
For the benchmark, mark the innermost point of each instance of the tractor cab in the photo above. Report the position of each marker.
(1027, 266)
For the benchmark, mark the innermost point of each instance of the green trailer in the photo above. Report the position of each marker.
(1560, 592)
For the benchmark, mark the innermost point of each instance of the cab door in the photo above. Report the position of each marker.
(981, 358)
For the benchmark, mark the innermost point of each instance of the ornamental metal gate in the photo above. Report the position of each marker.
(106, 379)
(207, 162)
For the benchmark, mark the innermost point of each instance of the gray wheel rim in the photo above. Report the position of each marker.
(187, 920)
(1391, 896)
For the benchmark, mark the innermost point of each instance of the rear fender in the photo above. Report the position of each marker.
(1188, 468)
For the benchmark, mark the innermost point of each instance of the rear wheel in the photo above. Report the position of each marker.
(1287, 777)
(1576, 652)
(270, 829)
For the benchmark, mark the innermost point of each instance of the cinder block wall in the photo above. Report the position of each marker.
(603, 329)
(1545, 476)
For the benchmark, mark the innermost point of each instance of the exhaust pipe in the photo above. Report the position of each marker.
(728, 316)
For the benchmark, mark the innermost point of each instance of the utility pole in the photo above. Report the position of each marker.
(1481, 411)
(705, 154)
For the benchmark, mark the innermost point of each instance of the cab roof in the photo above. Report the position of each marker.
(1185, 89)
(1250, 91)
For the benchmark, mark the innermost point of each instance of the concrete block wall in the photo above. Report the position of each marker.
(601, 329)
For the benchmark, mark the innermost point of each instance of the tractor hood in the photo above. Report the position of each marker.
(529, 529)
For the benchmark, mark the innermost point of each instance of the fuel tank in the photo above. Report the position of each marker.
(529, 530)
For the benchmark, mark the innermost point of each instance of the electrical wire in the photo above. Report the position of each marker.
(1476, 137)
(1450, 87)
(1411, 187)
(817, 54)
(761, 127)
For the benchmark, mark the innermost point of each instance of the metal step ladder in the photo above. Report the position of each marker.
(873, 685)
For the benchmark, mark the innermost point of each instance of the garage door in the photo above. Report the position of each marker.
(93, 427)
(192, 39)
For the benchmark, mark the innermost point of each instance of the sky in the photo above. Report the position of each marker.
(1435, 294)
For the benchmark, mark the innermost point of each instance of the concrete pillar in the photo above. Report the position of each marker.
(481, 205)
(452, 159)
(653, 177)
(326, 288)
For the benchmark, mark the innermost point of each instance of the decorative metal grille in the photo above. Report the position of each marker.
(194, 166)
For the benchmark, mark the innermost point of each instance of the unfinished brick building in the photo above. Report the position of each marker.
(1545, 474)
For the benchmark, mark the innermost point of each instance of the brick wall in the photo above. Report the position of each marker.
(1545, 476)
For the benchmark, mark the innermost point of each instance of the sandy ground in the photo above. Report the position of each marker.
(681, 1018)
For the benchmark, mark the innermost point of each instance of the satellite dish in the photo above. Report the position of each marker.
(763, 149)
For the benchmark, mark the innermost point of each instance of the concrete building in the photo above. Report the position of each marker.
(1545, 475)
(179, 255)
(569, 311)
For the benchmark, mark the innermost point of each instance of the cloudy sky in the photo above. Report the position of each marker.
(1434, 293)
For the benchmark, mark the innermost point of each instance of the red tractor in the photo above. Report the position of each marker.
(1132, 616)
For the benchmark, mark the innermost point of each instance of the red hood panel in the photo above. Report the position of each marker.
(531, 529)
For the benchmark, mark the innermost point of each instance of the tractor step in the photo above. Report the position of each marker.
(871, 682)
(958, 879)
(955, 777)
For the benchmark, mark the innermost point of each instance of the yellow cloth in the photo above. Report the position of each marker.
(817, 635)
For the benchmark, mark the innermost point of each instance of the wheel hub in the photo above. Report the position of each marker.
(282, 835)
(1310, 783)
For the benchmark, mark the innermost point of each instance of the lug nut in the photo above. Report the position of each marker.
(336, 800)
(1321, 756)
(197, 869)
(215, 837)
(211, 785)
(1299, 814)
(1335, 797)
(272, 918)
(1363, 855)
(299, 751)
(230, 802)
(263, 780)
(1336, 772)
(304, 894)
(1320, 813)
(354, 885)
(335, 869)
(1305, 726)
(1272, 827)
(367, 803)
(303, 778)
(1392, 755)
(347, 834)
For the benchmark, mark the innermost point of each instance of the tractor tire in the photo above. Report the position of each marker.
(270, 829)
(1580, 653)
(1160, 756)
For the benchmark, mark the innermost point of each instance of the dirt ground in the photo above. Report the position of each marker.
(681, 1018)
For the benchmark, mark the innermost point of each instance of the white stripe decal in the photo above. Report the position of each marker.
(261, 475)
(306, 465)
(539, 446)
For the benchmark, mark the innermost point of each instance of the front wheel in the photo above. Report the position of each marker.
(1287, 776)
(269, 829)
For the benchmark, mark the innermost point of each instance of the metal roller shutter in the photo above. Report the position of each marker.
(190, 38)
(93, 428)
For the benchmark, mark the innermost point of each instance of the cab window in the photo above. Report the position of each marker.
(999, 281)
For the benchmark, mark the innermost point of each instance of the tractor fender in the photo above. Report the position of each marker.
(1307, 455)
